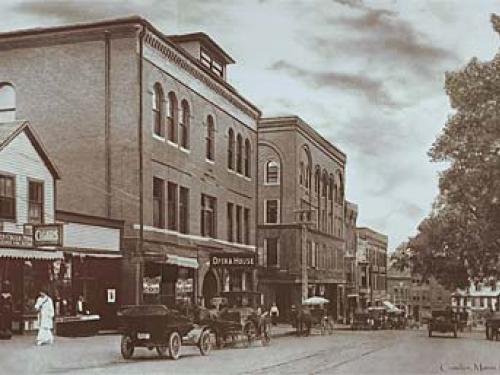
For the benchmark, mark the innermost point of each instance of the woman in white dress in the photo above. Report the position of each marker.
(45, 308)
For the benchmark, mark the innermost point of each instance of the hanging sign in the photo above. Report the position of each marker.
(232, 260)
(47, 235)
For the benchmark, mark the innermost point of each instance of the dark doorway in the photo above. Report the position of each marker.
(209, 287)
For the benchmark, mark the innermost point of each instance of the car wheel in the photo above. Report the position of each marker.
(205, 343)
(174, 345)
(127, 347)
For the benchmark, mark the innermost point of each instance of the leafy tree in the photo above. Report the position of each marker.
(460, 239)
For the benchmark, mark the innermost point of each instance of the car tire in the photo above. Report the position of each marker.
(127, 347)
(174, 345)
(205, 343)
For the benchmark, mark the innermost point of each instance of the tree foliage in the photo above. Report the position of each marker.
(460, 239)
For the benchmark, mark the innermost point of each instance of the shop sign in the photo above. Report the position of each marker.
(47, 235)
(232, 260)
(184, 286)
(15, 240)
(151, 285)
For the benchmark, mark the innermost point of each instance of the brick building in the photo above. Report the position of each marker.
(146, 129)
(371, 257)
(350, 268)
(301, 214)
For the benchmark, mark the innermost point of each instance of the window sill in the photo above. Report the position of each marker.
(247, 178)
(185, 150)
(158, 137)
(271, 184)
(172, 143)
(209, 161)
(229, 170)
(272, 223)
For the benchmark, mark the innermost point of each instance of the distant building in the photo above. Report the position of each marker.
(371, 258)
(350, 268)
(301, 184)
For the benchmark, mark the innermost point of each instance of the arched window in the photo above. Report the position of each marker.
(324, 190)
(272, 173)
(308, 177)
(172, 117)
(157, 111)
(317, 177)
(340, 189)
(184, 125)
(331, 188)
(301, 173)
(248, 151)
(230, 150)
(210, 139)
(239, 152)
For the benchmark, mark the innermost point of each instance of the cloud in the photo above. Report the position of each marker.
(372, 89)
(71, 11)
(350, 3)
(381, 36)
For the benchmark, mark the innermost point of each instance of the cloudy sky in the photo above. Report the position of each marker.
(368, 75)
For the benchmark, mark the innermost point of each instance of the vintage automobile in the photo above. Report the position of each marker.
(443, 321)
(493, 326)
(377, 317)
(360, 320)
(156, 326)
(239, 320)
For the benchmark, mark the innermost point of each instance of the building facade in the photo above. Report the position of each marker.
(301, 184)
(146, 129)
(350, 268)
(371, 257)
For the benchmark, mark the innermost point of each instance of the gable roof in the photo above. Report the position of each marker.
(10, 130)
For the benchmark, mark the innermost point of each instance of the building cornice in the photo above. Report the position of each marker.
(288, 123)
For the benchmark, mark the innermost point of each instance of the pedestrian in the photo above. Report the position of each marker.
(6, 311)
(45, 308)
(275, 313)
(82, 308)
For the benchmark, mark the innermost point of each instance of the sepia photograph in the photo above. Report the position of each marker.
(239, 187)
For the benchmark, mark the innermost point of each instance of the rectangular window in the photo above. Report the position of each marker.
(7, 198)
(246, 226)
(238, 224)
(208, 216)
(158, 203)
(183, 210)
(230, 209)
(271, 211)
(35, 202)
(271, 246)
(172, 206)
(309, 250)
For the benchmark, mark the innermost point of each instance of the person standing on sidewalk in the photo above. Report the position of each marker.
(6, 311)
(45, 308)
(275, 313)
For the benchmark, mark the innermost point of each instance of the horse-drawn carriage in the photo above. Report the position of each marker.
(156, 326)
(240, 320)
(313, 314)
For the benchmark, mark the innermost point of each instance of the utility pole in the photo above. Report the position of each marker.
(304, 236)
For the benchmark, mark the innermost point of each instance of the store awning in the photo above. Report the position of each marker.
(31, 254)
(182, 261)
(95, 255)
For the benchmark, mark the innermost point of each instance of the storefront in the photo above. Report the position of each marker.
(27, 270)
(169, 280)
(233, 271)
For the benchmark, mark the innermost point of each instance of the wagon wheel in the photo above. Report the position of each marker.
(205, 344)
(161, 350)
(266, 334)
(127, 347)
(174, 345)
(249, 333)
